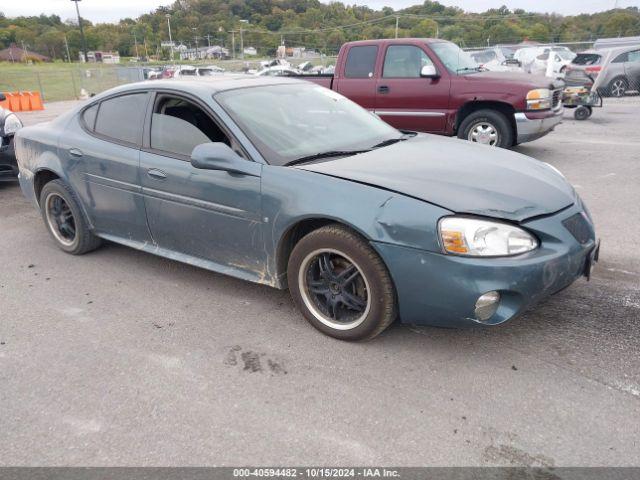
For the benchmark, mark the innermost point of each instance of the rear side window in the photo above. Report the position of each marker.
(121, 118)
(89, 116)
(361, 62)
(586, 59)
(634, 56)
(621, 58)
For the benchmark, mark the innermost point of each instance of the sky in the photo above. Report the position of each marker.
(113, 10)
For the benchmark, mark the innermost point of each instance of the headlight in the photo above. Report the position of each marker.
(484, 238)
(539, 99)
(11, 124)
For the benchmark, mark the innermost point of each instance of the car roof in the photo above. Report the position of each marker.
(205, 86)
(399, 41)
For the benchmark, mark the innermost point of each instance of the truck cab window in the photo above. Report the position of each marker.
(361, 62)
(404, 61)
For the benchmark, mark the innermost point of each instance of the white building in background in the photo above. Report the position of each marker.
(251, 51)
(100, 57)
(201, 53)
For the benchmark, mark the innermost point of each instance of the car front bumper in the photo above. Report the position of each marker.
(8, 163)
(442, 290)
(533, 125)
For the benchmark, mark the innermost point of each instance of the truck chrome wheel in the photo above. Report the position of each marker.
(60, 219)
(484, 133)
(334, 289)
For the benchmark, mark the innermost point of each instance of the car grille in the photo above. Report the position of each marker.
(579, 227)
(557, 98)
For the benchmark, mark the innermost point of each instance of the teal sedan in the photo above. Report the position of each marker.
(286, 183)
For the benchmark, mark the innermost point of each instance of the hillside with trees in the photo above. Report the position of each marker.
(309, 23)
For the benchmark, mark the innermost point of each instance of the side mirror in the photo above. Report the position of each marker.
(429, 71)
(219, 156)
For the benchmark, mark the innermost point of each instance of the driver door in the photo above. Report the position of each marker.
(209, 214)
(406, 100)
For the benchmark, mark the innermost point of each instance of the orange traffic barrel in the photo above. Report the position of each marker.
(35, 101)
(25, 104)
(14, 101)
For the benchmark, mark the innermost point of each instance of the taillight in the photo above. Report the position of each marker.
(595, 69)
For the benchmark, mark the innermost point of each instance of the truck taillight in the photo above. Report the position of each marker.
(595, 69)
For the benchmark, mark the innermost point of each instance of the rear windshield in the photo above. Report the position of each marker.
(586, 59)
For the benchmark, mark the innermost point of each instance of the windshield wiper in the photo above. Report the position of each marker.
(318, 156)
(391, 141)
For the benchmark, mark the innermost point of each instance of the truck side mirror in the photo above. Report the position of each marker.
(429, 71)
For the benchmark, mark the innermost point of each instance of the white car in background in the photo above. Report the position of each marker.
(279, 71)
(494, 60)
(191, 71)
(550, 61)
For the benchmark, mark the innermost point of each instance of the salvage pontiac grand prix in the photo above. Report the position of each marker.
(289, 184)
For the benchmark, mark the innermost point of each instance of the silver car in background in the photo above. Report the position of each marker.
(612, 71)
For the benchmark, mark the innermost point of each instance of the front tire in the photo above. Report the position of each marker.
(64, 219)
(341, 285)
(488, 127)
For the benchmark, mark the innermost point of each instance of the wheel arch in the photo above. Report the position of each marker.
(474, 105)
(295, 232)
(41, 178)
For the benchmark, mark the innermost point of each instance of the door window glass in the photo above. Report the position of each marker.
(634, 56)
(404, 61)
(361, 62)
(178, 126)
(121, 118)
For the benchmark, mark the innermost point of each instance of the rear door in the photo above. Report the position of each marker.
(404, 98)
(104, 150)
(356, 79)
(632, 69)
(213, 215)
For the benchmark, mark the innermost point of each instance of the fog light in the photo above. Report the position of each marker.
(486, 305)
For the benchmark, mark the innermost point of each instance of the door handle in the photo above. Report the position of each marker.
(383, 89)
(156, 173)
(75, 152)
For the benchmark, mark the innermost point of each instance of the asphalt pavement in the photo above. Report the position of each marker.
(119, 357)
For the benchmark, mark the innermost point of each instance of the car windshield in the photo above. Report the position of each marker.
(291, 122)
(455, 59)
(586, 59)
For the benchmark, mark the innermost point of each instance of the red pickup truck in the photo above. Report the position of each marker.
(431, 85)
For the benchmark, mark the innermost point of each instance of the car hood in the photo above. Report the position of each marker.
(460, 176)
(520, 79)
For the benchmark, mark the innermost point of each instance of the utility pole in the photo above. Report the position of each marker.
(135, 41)
(24, 52)
(242, 39)
(208, 40)
(84, 42)
(170, 39)
(195, 37)
(66, 46)
(397, 24)
(233, 43)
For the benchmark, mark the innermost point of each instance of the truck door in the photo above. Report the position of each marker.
(357, 78)
(406, 100)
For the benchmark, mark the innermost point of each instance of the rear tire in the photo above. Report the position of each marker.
(618, 87)
(489, 127)
(341, 285)
(63, 218)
